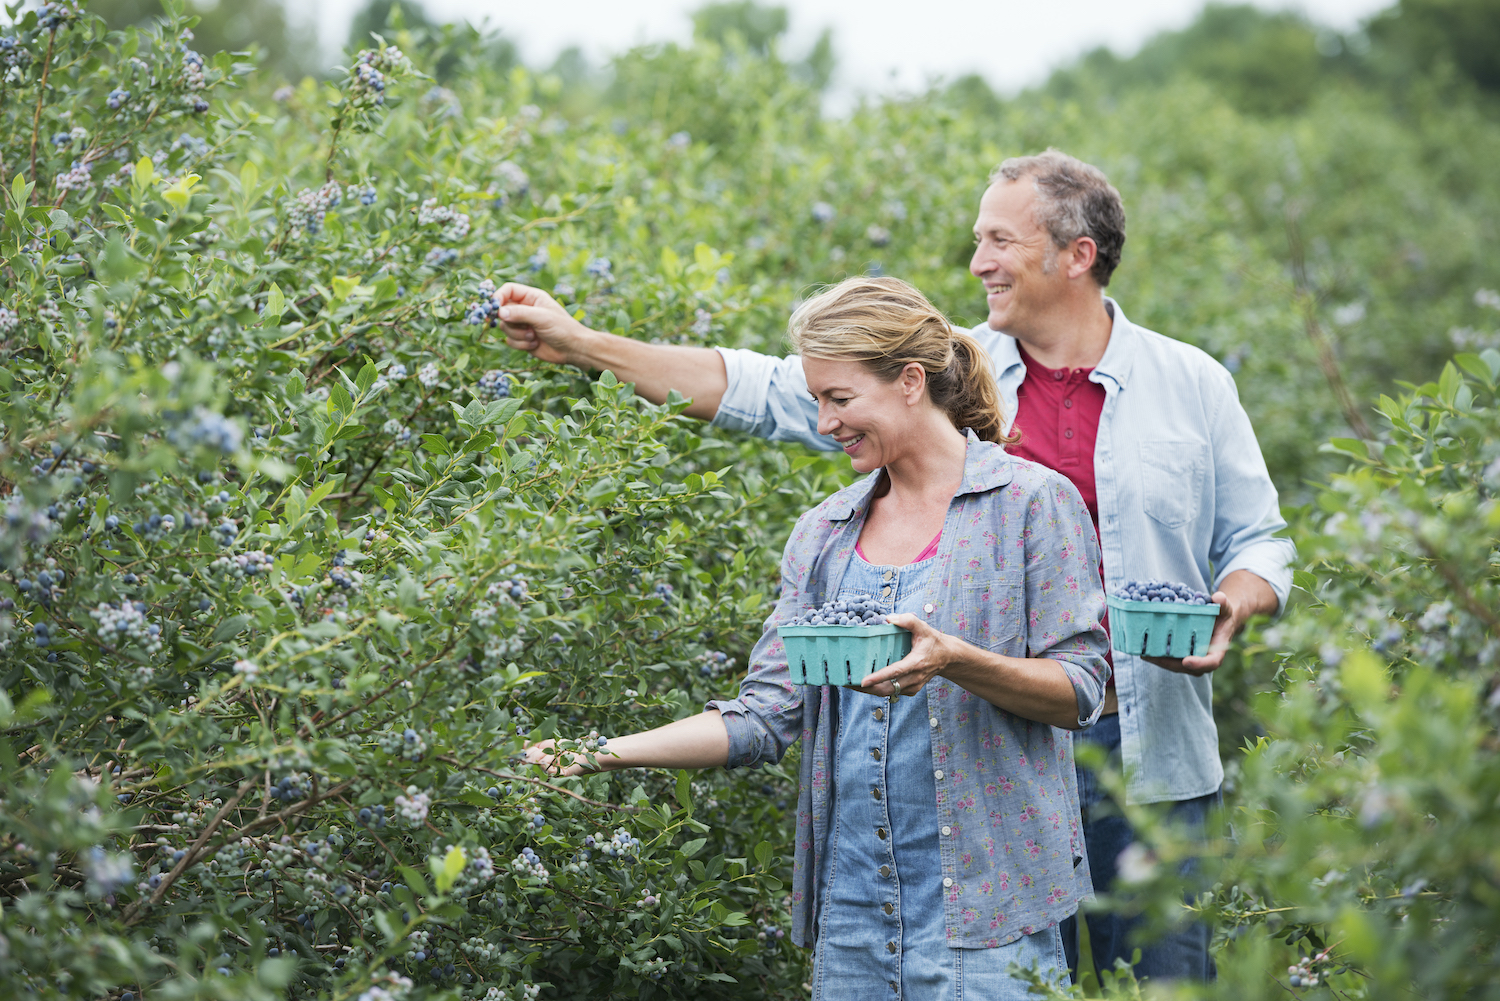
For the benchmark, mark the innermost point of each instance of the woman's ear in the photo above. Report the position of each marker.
(913, 382)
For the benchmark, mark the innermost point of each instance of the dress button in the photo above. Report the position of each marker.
(947, 831)
(875, 753)
(879, 715)
(888, 908)
(1068, 433)
(889, 574)
(927, 609)
(880, 833)
(947, 881)
(885, 592)
(875, 792)
(1059, 375)
(932, 721)
(885, 871)
(890, 947)
(1068, 404)
(938, 775)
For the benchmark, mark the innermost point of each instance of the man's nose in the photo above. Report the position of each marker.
(980, 264)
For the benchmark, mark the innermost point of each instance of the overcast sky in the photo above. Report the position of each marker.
(882, 45)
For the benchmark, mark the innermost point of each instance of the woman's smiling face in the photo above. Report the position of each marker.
(865, 415)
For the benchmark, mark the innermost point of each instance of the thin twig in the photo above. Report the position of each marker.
(1307, 301)
(36, 119)
(538, 782)
(191, 855)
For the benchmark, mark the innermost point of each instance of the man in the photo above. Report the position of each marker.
(1149, 429)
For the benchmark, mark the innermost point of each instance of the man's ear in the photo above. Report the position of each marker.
(1082, 254)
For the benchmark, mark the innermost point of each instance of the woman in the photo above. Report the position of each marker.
(937, 834)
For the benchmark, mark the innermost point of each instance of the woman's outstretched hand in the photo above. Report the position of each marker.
(544, 753)
(931, 653)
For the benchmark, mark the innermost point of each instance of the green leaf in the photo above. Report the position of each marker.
(1448, 383)
(275, 304)
(436, 444)
(144, 173)
(366, 378)
(1354, 447)
(344, 286)
(446, 870)
(339, 399)
(763, 852)
(693, 847)
(230, 628)
(684, 790)
(20, 192)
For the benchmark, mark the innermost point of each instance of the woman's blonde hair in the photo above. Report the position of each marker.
(887, 324)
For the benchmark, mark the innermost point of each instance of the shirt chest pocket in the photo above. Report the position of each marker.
(993, 612)
(1172, 480)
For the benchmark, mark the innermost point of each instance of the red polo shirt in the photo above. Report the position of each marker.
(1057, 413)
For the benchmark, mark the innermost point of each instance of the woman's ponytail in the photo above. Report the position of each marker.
(887, 324)
(967, 392)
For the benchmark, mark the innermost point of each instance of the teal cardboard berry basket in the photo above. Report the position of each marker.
(1160, 628)
(841, 655)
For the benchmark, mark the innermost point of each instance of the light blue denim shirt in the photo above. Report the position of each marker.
(1184, 495)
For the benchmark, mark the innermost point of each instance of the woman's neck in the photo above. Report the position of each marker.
(931, 463)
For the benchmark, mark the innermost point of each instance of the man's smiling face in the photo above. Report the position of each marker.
(1015, 258)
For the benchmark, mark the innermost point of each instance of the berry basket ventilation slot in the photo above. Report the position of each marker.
(841, 655)
(1174, 621)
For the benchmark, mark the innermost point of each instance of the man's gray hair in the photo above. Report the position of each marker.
(1073, 199)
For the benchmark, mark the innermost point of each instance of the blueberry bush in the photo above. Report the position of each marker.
(295, 555)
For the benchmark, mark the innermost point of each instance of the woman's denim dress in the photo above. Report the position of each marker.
(881, 935)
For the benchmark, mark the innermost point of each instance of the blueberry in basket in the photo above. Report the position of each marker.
(841, 642)
(1158, 618)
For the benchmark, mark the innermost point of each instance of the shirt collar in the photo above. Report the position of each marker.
(1115, 365)
(1120, 352)
(986, 466)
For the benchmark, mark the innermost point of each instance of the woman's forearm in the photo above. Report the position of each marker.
(1030, 687)
(700, 741)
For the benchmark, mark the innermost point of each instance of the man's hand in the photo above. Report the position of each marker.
(536, 323)
(1241, 596)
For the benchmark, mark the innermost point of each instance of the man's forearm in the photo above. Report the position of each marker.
(657, 369)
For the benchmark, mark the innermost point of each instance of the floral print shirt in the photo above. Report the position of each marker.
(1017, 574)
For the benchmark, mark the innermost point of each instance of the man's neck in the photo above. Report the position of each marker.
(1075, 335)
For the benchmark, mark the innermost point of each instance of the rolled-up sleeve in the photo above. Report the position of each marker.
(1247, 513)
(768, 397)
(1064, 595)
(766, 719)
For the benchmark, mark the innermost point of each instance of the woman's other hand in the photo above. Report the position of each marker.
(544, 753)
(931, 653)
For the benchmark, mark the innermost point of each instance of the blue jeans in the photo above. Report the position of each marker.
(1180, 954)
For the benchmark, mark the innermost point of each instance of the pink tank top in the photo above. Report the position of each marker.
(930, 551)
